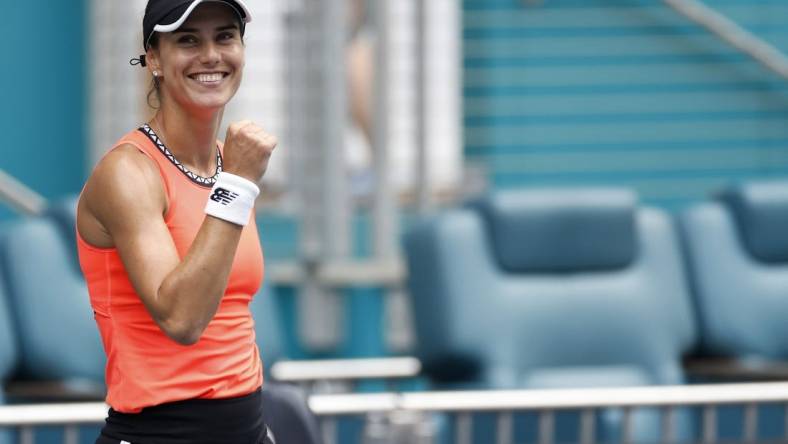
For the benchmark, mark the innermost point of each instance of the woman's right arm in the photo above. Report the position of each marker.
(123, 206)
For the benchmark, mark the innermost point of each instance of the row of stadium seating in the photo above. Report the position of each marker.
(589, 288)
(522, 288)
(49, 343)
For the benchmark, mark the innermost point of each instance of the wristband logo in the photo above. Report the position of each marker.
(223, 196)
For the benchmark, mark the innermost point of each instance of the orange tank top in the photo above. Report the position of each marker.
(144, 366)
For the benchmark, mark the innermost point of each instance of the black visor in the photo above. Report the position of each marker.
(169, 15)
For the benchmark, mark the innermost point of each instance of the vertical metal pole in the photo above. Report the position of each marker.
(504, 433)
(709, 424)
(750, 423)
(26, 435)
(294, 68)
(422, 156)
(377, 429)
(336, 207)
(328, 427)
(385, 205)
(587, 426)
(113, 111)
(546, 427)
(71, 434)
(336, 211)
(668, 425)
(317, 116)
(464, 428)
(626, 426)
(785, 421)
(305, 90)
(384, 208)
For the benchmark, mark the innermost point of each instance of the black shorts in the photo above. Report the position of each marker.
(195, 421)
(269, 439)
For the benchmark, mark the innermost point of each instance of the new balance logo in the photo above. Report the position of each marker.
(223, 196)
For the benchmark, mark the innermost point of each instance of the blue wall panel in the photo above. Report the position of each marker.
(44, 74)
(590, 92)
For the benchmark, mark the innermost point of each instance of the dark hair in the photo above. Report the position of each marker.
(154, 86)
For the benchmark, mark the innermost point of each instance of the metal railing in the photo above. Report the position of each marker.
(548, 402)
(69, 415)
(339, 273)
(394, 406)
(19, 196)
(733, 34)
(340, 375)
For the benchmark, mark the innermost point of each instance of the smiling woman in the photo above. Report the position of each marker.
(207, 53)
(169, 247)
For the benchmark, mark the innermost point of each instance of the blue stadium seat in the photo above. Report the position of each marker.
(8, 347)
(8, 340)
(268, 329)
(550, 288)
(64, 214)
(52, 318)
(287, 413)
(50, 305)
(737, 249)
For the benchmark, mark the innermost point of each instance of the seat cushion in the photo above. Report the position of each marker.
(50, 303)
(555, 230)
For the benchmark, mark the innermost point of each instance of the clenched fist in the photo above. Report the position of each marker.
(247, 149)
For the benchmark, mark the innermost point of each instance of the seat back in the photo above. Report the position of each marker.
(8, 340)
(548, 288)
(737, 248)
(268, 333)
(287, 414)
(50, 303)
(64, 213)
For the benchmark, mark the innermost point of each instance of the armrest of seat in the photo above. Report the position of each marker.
(725, 369)
(54, 391)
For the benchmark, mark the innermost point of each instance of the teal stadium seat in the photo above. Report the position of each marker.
(737, 249)
(49, 300)
(268, 329)
(60, 348)
(286, 411)
(549, 288)
(8, 347)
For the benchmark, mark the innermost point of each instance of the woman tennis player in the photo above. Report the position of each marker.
(168, 242)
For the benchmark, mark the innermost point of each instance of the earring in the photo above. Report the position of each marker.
(155, 73)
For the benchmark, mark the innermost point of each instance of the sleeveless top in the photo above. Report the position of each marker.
(144, 366)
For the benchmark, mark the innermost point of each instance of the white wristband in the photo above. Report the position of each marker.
(232, 198)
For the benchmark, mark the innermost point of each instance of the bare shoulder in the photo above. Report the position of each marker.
(124, 187)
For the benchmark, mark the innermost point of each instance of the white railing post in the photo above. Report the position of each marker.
(588, 426)
(668, 425)
(505, 423)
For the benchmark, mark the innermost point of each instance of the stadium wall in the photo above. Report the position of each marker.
(44, 101)
(621, 92)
